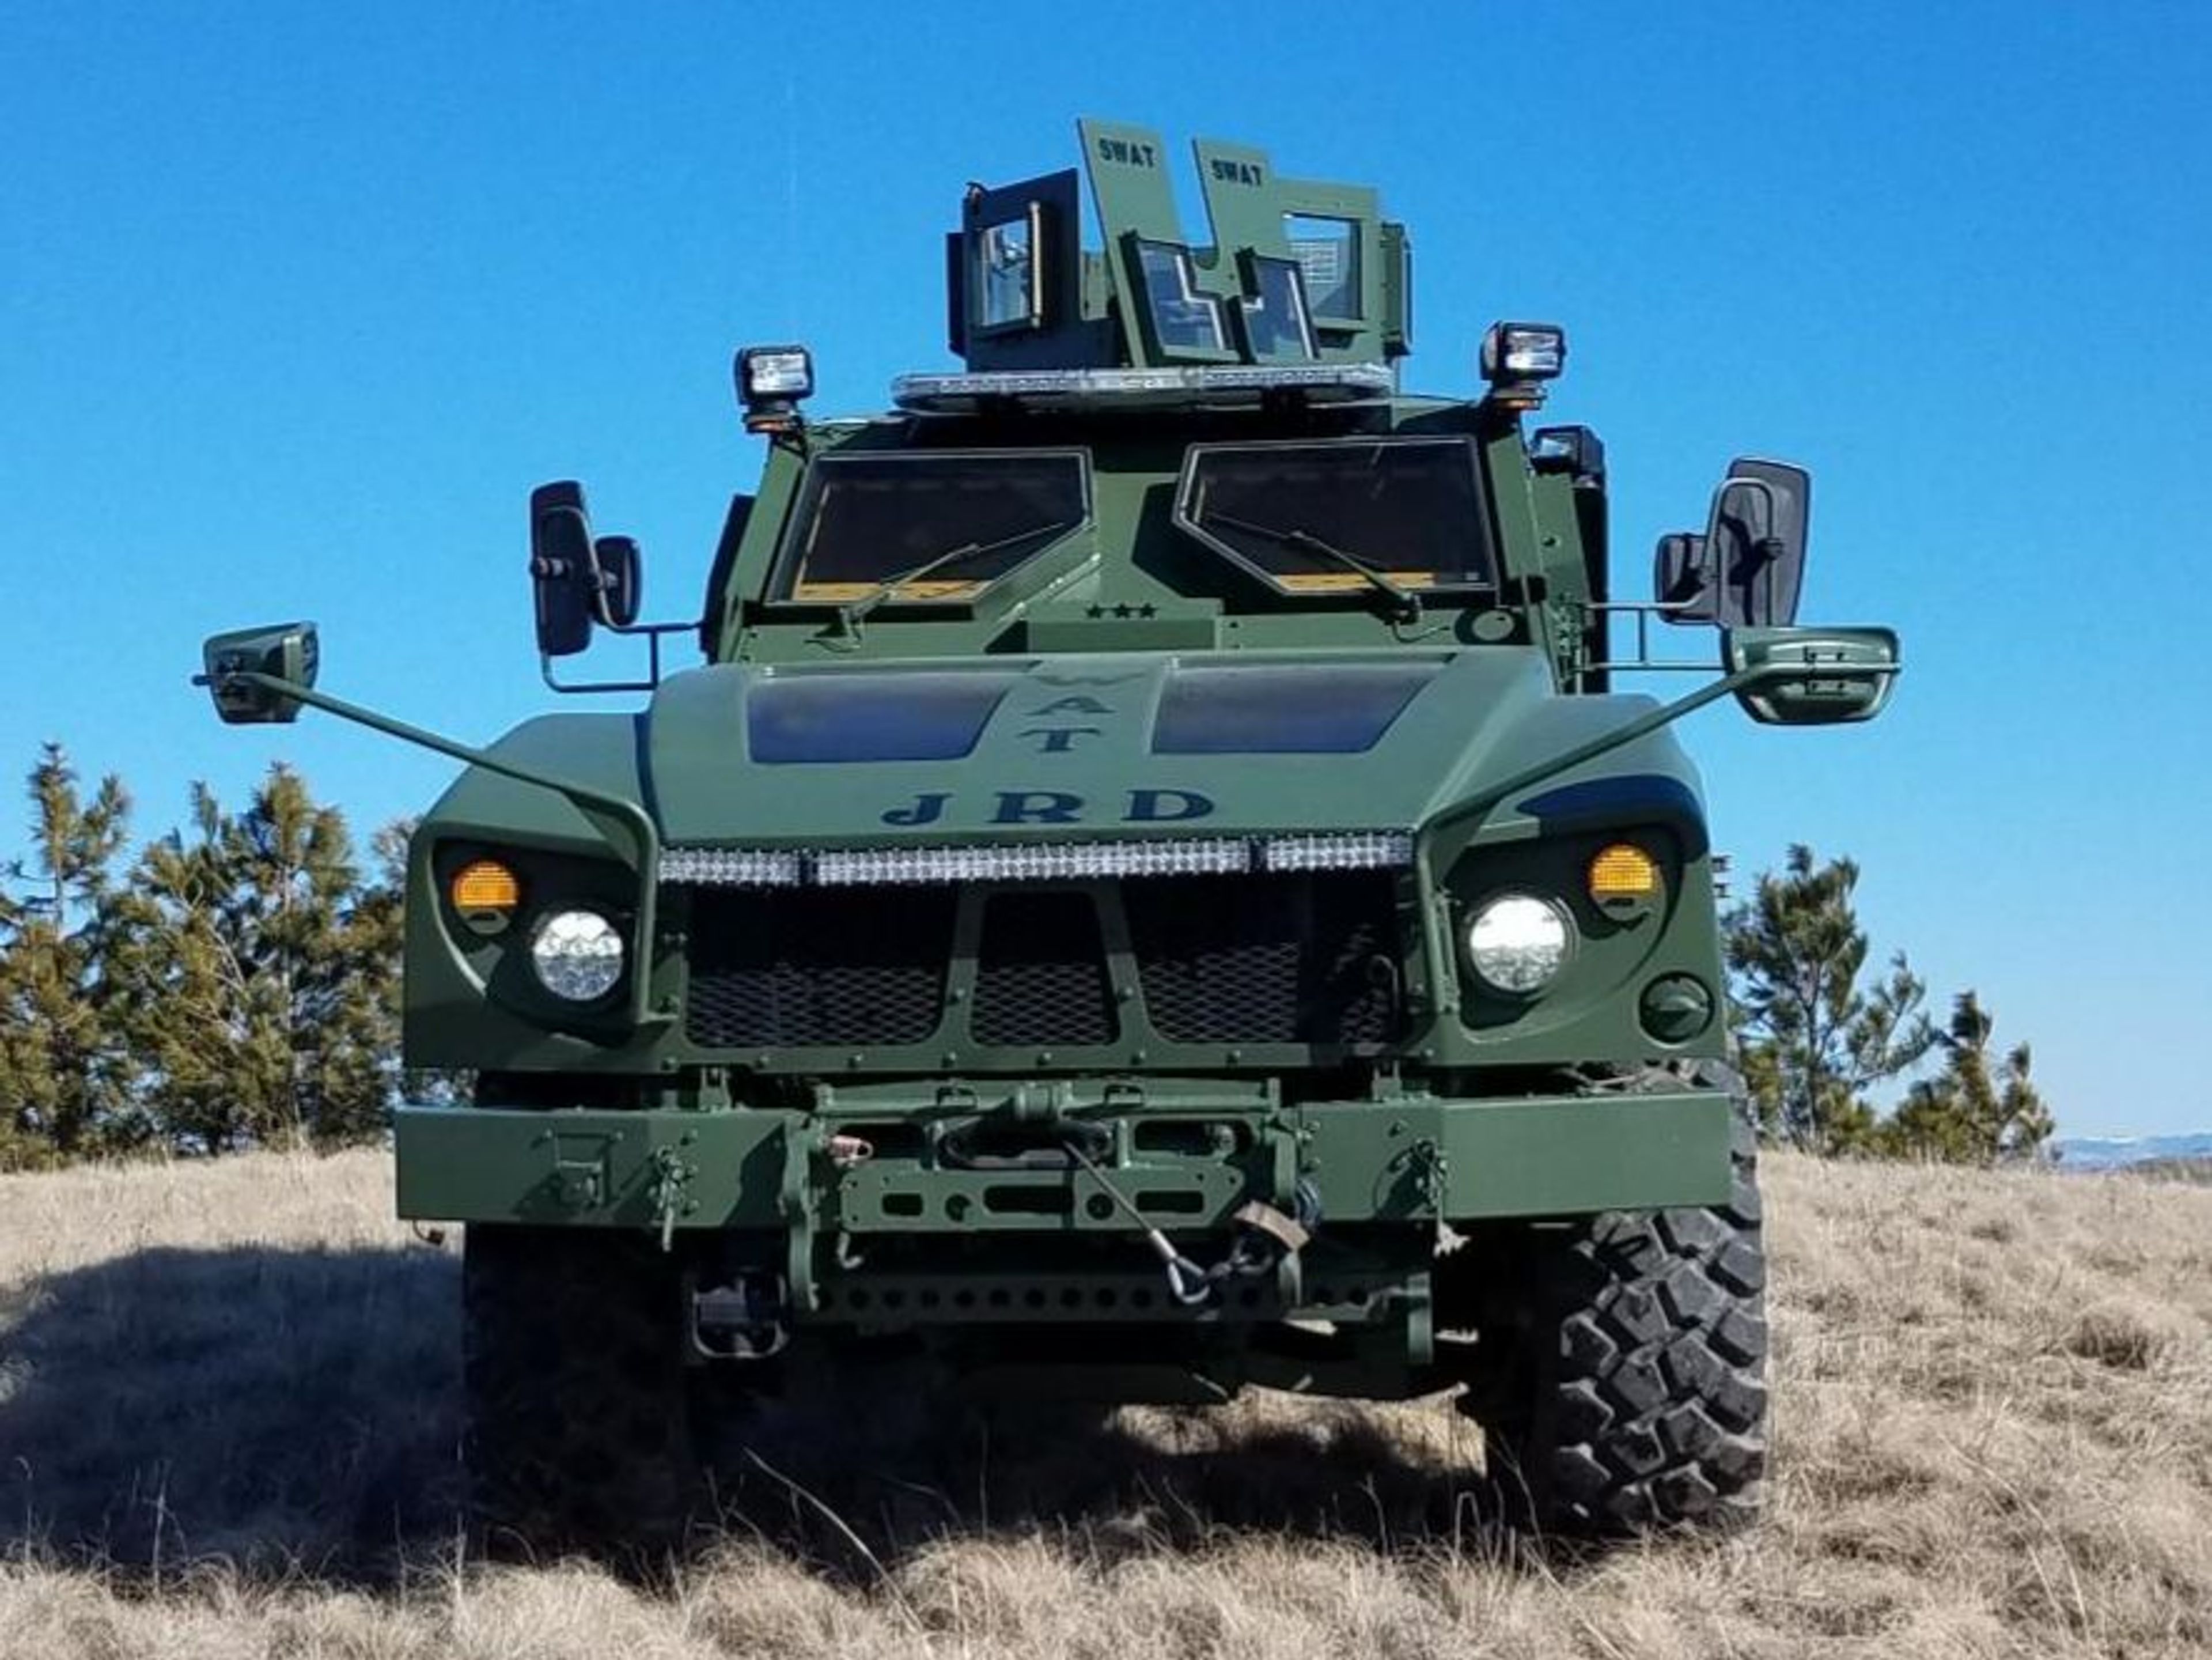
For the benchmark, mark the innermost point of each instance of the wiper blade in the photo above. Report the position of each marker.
(852, 613)
(1404, 601)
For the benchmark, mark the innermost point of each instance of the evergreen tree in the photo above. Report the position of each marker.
(65, 1076)
(263, 976)
(1971, 1112)
(1810, 1040)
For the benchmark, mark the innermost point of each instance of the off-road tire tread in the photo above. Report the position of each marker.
(1646, 1364)
(577, 1434)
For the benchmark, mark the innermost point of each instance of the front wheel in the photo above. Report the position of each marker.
(1634, 1390)
(577, 1396)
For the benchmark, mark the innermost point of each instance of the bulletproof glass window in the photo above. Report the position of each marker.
(911, 527)
(1273, 313)
(1305, 516)
(1328, 250)
(1183, 319)
(1007, 279)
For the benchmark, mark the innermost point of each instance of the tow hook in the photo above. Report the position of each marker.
(748, 1319)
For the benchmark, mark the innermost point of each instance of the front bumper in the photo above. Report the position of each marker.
(1189, 1165)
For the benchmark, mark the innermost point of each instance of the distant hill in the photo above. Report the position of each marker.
(2090, 1152)
(2198, 1171)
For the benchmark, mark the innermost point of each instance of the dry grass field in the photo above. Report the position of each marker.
(228, 1414)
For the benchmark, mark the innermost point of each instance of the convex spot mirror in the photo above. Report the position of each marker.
(621, 585)
(1811, 677)
(1747, 570)
(577, 579)
(285, 651)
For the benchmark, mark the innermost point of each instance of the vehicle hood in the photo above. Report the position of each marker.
(1140, 743)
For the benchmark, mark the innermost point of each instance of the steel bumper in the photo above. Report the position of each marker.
(1411, 1160)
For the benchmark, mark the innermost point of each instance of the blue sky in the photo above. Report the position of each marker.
(296, 303)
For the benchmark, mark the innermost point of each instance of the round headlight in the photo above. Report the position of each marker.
(578, 955)
(1517, 943)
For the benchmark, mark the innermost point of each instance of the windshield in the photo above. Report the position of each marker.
(1343, 516)
(895, 528)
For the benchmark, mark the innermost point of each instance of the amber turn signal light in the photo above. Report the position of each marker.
(485, 884)
(1623, 872)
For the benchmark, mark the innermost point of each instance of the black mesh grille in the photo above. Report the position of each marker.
(1308, 958)
(1304, 957)
(1041, 974)
(777, 968)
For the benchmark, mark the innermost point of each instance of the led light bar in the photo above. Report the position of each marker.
(1342, 850)
(732, 867)
(1034, 861)
(1230, 386)
(1030, 862)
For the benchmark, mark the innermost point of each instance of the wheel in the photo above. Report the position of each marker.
(1633, 1396)
(578, 1433)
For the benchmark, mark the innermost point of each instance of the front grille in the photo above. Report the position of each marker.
(794, 968)
(1296, 958)
(1040, 973)
(1303, 957)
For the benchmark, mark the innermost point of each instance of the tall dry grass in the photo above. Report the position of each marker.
(228, 1410)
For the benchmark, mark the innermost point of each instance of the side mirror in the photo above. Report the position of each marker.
(286, 651)
(563, 572)
(619, 586)
(1755, 543)
(1682, 580)
(1812, 677)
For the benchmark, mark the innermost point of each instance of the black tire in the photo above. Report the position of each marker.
(1635, 1394)
(578, 1431)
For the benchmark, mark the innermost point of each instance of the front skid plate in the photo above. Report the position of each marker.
(1415, 1161)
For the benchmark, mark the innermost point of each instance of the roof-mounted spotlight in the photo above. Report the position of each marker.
(772, 382)
(1517, 358)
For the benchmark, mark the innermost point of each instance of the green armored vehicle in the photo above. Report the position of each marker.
(1153, 889)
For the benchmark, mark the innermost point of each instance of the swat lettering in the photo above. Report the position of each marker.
(1126, 152)
(1234, 172)
(1141, 806)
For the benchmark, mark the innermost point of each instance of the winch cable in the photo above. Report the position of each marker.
(1189, 1283)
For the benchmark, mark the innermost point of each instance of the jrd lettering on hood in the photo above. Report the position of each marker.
(1139, 807)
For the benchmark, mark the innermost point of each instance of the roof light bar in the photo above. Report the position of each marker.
(1036, 861)
(1232, 386)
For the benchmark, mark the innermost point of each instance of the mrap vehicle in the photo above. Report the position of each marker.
(1154, 889)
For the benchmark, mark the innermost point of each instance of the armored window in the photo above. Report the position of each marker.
(1183, 318)
(1272, 312)
(1307, 517)
(1007, 281)
(905, 527)
(1327, 251)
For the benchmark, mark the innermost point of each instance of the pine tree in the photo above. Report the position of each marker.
(1971, 1112)
(65, 1074)
(1811, 1042)
(263, 976)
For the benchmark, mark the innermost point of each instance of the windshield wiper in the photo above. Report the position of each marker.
(850, 615)
(1404, 601)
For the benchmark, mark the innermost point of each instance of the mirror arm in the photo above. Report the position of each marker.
(652, 632)
(1479, 806)
(624, 823)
